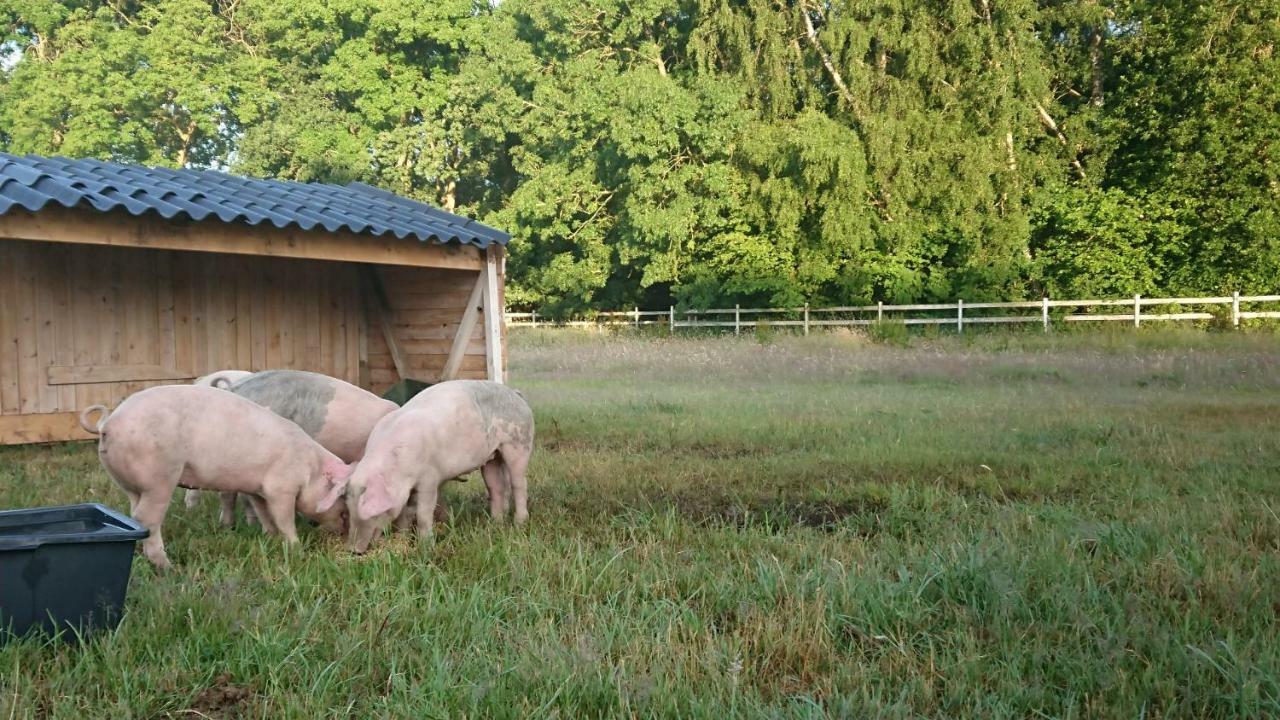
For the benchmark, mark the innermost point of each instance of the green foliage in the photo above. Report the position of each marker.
(1098, 243)
(707, 152)
(889, 332)
(764, 331)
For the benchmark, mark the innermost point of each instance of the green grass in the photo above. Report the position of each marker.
(1004, 525)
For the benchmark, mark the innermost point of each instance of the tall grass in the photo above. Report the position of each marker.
(990, 526)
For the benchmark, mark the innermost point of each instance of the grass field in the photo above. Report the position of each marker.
(1009, 525)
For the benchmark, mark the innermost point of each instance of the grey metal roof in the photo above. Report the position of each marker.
(34, 183)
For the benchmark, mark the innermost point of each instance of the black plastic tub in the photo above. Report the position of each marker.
(64, 568)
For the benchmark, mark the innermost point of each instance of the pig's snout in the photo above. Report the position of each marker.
(360, 538)
(360, 546)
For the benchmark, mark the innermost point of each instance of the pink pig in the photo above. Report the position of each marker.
(221, 379)
(336, 414)
(197, 437)
(443, 432)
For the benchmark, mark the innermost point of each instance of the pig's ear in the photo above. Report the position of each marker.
(375, 500)
(337, 486)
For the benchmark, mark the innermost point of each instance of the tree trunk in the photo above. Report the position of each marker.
(1095, 62)
(1047, 120)
(832, 71)
(187, 137)
(449, 195)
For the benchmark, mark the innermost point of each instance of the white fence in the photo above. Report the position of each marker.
(957, 314)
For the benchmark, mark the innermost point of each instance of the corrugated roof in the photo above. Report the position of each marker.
(34, 183)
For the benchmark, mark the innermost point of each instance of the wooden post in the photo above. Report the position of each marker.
(637, 313)
(533, 318)
(1137, 309)
(879, 311)
(737, 319)
(1044, 314)
(492, 314)
(467, 326)
(671, 319)
(959, 317)
(806, 318)
(1235, 309)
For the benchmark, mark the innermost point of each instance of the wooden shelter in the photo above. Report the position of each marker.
(114, 278)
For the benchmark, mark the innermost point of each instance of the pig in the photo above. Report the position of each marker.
(221, 379)
(444, 431)
(336, 414)
(198, 437)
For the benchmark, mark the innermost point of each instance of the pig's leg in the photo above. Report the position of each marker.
(190, 499)
(131, 494)
(149, 512)
(496, 484)
(250, 515)
(133, 501)
(428, 494)
(280, 511)
(260, 509)
(517, 463)
(227, 516)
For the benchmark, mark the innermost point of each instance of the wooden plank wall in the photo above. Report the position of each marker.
(426, 309)
(136, 318)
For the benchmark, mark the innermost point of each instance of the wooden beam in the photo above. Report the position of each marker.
(382, 309)
(86, 227)
(44, 427)
(89, 374)
(493, 312)
(462, 338)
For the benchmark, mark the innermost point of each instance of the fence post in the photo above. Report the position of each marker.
(1137, 309)
(1044, 314)
(671, 319)
(879, 311)
(737, 319)
(637, 312)
(1235, 309)
(806, 318)
(959, 316)
(533, 318)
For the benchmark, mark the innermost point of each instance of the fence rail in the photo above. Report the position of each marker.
(959, 314)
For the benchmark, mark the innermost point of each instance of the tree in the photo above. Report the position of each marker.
(717, 151)
(156, 83)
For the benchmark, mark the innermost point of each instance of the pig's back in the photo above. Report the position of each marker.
(495, 403)
(211, 431)
(301, 397)
(337, 414)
